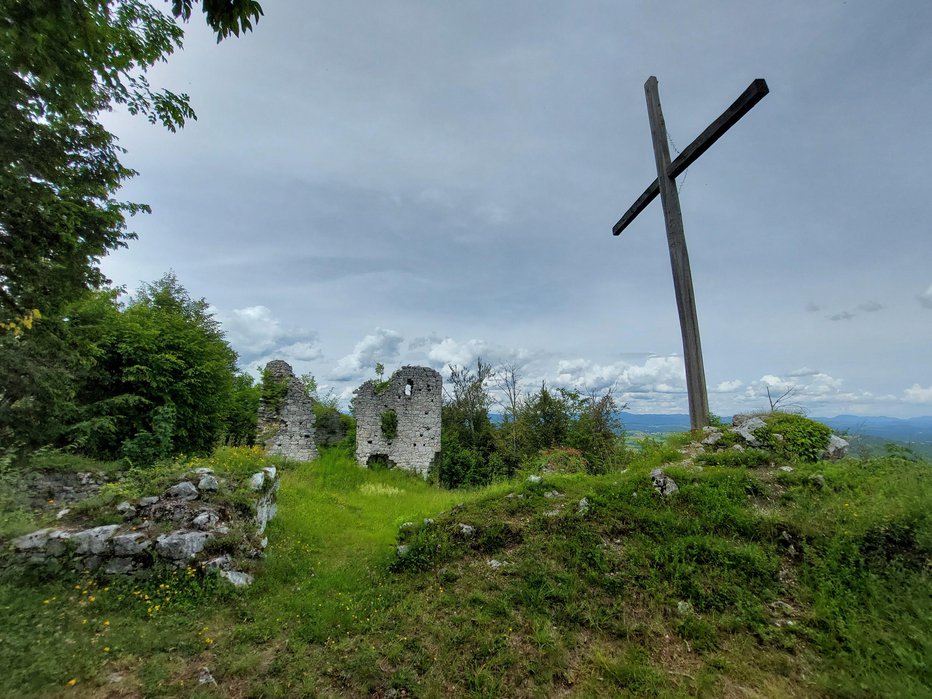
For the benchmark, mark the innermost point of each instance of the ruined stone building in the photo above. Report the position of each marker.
(398, 421)
(286, 416)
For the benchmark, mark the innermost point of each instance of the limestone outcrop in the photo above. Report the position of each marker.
(286, 415)
(398, 421)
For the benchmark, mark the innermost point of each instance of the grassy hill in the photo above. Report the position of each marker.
(745, 582)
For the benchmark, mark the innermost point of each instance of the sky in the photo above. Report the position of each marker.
(433, 182)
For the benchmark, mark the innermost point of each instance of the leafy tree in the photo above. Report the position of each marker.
(162, 379)
(38, 370)
(547, 419)
(596, 430)
(468, 452)
(242, 412)
(61, 64)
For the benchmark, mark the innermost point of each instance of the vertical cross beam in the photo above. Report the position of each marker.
(679, 260)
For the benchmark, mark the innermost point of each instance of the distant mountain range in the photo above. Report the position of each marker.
(914, 429)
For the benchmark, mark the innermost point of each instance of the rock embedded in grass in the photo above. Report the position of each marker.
(746, 428)
(33, 541)
(837, 448)
(663, 484)
(94, 541)
(126, 509)
(184, 490)
(208, 484)
(130, 544)
(206, 520)
(181, 545)
(236, 578)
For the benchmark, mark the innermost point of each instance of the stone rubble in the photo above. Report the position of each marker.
(175, 528)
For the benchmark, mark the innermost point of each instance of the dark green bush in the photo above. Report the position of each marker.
(802, 439)
(747, 458)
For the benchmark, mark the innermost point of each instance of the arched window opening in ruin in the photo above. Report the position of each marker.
(409, 388)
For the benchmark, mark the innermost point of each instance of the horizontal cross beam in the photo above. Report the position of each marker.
(756, 91)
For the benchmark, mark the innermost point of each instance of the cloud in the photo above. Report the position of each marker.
(813, 307)
(250, 330)
(729, 386)
(866, 307)
(419, 342)
(381, 346)
(918, 394)
(658, 374)
(258, 337)
(301, 352)
(441, 352)
(449, 351)
(803, 371)
(925, 298)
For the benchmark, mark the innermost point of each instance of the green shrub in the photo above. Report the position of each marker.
(733, 458)
(560, 460)
(801, 439)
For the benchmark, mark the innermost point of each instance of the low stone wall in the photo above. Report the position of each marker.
(188, 523)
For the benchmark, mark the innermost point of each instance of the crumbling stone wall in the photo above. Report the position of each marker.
(414, 394)
(176, 527)
(286, 427)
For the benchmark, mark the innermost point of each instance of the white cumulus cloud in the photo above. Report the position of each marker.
(918, 394)
(449, 351)
(381, 346)
(729, 386)
(655, 375)
(250, 330)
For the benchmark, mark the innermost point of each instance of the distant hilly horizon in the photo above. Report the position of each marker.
(913, 429)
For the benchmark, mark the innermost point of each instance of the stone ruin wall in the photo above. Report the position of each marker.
(415, 394)
(288, 429)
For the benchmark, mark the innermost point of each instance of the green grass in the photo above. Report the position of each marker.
(747, 582)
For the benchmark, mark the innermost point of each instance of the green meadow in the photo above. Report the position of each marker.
(746, 582)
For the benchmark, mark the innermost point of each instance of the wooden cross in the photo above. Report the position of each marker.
(665, 185)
